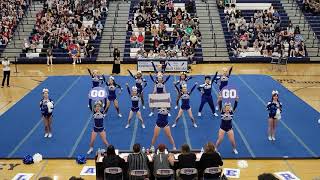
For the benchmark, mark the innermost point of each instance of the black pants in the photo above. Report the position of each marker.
(6, 74)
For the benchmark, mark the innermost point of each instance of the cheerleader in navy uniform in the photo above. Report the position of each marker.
(97, 80)
(46, 108)
(275, 108)
(159, 88)
(183, 80)
(160, 68)
(112, 86)
(162, 123)
(135, 105)
(185, 103)
(227, 113)
(206, 96)
(98, 118)
(141, 83)
(223, 79)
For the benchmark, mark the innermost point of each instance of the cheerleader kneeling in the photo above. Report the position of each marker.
(275, 108)
(98, 118)
(162, 123)
(46, 108)
(226, 123)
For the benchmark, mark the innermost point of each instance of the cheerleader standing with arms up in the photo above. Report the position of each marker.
(162, 123)
(97, 80)
(98, 118)
(112, 86)
(223, 79)
(141, 83)
(206, 96)
(227, 113)
(185, 105)
(135, 105)
(275, 108)
(46, 107)
(183, 80)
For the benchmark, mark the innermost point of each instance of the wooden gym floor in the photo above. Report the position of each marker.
(302, 79)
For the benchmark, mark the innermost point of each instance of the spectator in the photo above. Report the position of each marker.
(186, 159)
(133, 41)
(6, 72)
(267, 176)
(210, 158)
(137, 160)
(161, 160)
(89, 50)
(49, 56)
(140, 39)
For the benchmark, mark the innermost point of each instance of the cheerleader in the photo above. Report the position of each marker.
(206, 96)
(141, 83)
(275, 108)
(226, 123)
(97, 80)
(162, 123)
(159, 88)
(46, 107)
(135, 105)
(185, 103)
(98, 117)
(223, 79)
(112, 97)
(160, 68)
(183, 80)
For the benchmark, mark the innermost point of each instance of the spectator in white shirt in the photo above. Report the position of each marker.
(6, 71)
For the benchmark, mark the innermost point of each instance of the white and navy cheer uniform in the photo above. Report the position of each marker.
(182, 82)
(163, 67)
(112, 91)
(223, 80)
(162, 119)
(44, 107)
(272, 107)
(97, 81)
(90, 103)
(134, 101)
(141, 83)
(206, 96)
(226, 118)
(185, 98)
(98, 118)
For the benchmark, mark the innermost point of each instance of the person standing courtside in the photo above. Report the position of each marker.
(6, 71)
(116, 63)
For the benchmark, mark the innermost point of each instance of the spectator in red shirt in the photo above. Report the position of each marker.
(140, 40)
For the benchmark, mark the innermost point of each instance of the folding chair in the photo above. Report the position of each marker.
(165, 174)
(188, 174)
(113, 173)
(212, 173)
(138, 174)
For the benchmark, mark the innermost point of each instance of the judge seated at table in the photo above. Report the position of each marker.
(112, 160)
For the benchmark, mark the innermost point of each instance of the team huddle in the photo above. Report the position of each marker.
(99, 107)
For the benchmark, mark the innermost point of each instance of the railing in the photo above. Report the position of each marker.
(115, 21)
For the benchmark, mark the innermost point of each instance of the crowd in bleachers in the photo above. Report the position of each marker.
(262, 34)
(11, 12)
(67, 28)
(164, 29)
(161, 159)
(311, 6)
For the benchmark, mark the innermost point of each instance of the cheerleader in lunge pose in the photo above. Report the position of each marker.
(185, 103)
(46, 108)
(97, 80)
(141, 83)
(159, 88)
(275, 108)
(183, 80)
(135, 105)
(206, 97)
(112, 86)
(162, 123)
(226, 122)
(98, 117)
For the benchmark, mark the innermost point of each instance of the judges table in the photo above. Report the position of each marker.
(100, 170)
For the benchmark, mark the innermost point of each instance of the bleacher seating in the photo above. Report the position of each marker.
(312, 18)
(80, 29)
(252, 54)
(131, 52)
(11, 13)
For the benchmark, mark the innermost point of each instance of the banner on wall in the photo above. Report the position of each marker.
(173, 66)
